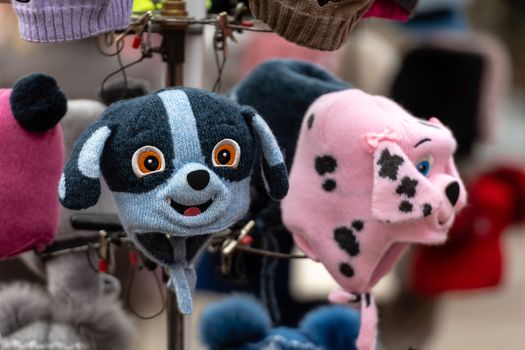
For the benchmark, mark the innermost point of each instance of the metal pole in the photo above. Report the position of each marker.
(173, 54)
(175, 324)
(173, 37)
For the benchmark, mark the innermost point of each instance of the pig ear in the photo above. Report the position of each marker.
(400, 192)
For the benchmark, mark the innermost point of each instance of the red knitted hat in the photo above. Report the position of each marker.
(472, 257)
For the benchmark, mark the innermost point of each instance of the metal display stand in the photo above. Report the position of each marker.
(173, 37)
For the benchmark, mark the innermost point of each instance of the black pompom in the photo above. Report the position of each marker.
(37, 102)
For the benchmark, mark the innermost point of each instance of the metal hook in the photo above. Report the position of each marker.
(222, 33)
(138, 26)
(229, 245)
(106, 261)
(146, 46)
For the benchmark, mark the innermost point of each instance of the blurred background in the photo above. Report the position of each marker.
(463, 61)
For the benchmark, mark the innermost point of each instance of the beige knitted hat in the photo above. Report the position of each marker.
(317, 24)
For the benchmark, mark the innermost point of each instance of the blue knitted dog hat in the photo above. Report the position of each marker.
(178, 163)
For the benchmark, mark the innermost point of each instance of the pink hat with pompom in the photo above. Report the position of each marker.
(32, 158)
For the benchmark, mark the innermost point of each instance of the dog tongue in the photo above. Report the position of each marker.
(192, 211)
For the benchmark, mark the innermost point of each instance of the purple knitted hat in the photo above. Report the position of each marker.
(63, 20)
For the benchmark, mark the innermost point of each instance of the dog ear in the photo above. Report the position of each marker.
(400, 192)
(275, 175)
(79, 186)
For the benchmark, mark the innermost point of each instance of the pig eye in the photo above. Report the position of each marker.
(424, 165)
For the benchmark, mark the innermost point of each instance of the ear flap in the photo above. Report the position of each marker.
(399, 191)
(274, 171)
(79, 186)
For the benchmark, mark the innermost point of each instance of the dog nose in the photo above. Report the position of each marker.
(198, 179)
(452, 192)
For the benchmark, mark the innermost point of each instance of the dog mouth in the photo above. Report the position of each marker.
(190, 210)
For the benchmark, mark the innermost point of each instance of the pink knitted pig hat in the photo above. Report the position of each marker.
(32, 155)
(368, 179)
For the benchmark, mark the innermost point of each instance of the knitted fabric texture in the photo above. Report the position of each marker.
(61, 20)
(325, 24)
(178, 163)
(321, 25)
(366, 180)
(34, 159)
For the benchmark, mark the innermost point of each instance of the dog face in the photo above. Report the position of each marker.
(416, 178)
(369, 178)
(191, 172)
(178, 163)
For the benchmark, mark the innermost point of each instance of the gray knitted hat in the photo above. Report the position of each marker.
(63, 20)
(317, 24)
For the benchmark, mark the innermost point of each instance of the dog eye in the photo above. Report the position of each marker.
(226, 153)
(424, 165)
(147, 160)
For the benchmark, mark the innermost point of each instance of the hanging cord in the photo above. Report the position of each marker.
(220, 43)
(109, 40)
(137, 27)
(134, 262)
(220, 68)
(122, 69)
(272, 254)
